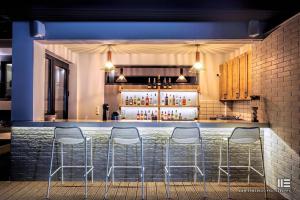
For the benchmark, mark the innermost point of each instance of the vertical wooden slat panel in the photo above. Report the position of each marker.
(230, 79)
(249, 75)
(235, 78)
(243, 74)
(221, 82)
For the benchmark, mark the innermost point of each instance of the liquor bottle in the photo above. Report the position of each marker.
(169, 84)
(189, 102)
(158, 81)
(145, 115)
(138, 101)
(154, 100)
(130, 101)
(166, 100)
(149, 86)
(180, 102)
(170, 100)
(162, 116)
(134, 100)
(154, 86)
(138, 116)
(180, 116)
(142, 101)
(166, 115)
(169, 116)
(155, 115)
(162, 101)
(141, 115)
(174, 100)
(150, 100)
(147, 100)
(152, 115)
(165, 84)
(176, 115)
(149, 117)
(126, 101)
(172, 115)
(184, 101)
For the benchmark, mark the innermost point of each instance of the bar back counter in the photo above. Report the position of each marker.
(31, 150)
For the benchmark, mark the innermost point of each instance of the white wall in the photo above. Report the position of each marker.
(91, 78)
(39, 78)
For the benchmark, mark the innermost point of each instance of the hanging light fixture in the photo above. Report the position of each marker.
(109, 66)
(197, 66)
(181, 78)
(121, 78)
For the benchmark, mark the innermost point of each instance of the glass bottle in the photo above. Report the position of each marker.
(169, 84)
(126, 101)
(149, 86)
(166, 100)
(165, 83)
(154, 86)
(184, 101)
(138, 116)
(147, 100)
(130, 101)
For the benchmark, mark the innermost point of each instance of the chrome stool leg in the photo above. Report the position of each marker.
(107, 170)
(249, 164)
(91, 161)
(142, 169)
(50, 170)
(228, 169)
(203, 167)
(263, 166)
(220, 161)
(85, 168)
(113, 163)
(62, 162)
(195, 163)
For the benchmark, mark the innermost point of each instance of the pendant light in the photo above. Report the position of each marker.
(121, 78)
(109, 66)
(197, 66)
(181, 78)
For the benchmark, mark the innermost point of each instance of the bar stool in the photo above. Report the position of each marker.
(242, 136)
(71, 136)
(125, 136)
(185, 136)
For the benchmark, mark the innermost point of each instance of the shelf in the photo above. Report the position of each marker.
(139, 90)
(157, 90)
(179, 90)
(136, 106)
(164, 106)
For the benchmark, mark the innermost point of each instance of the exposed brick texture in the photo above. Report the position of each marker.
(31, 150)
(276, 77)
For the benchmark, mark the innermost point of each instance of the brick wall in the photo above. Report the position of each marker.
(276, 77)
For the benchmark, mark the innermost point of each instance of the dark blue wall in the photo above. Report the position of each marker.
(22, 90)
(22, 85)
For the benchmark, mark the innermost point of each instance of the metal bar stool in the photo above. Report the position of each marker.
(247, 136)
(71, 136)
(125, 136)
(185, 136)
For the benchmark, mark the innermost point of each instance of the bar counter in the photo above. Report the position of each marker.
(31, 147)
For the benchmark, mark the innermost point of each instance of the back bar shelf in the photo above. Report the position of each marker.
(176, 104)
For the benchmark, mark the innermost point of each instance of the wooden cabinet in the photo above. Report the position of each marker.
(235, 78)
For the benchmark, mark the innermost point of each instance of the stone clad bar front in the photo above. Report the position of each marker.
(31, 150)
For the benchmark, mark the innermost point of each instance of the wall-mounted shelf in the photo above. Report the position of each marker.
(187, 112)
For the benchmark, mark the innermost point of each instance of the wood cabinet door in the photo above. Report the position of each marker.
(236, 78)
(229, 80)
(248, 76)
(221, 82)
(243, 76)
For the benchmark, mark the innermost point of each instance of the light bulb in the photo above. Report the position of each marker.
(198, 65)
(109, 65)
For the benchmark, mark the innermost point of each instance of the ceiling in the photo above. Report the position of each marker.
(184, 47)
(269, 12)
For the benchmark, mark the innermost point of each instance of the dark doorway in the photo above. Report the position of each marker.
(57, 87)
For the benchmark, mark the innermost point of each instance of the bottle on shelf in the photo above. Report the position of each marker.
(154, 86)
(130, 101)
(169, 84)
(138, 101)
(173, 100)
(147, 100)
(184, 101)
(176, 101)
(149, 86)
(152, 115)
(172, 115)
(180, 116)
(138, 116)
(145, 115)
(176, 115)
(141, 115)
(155, 115)
(166, 99)
(134, 100)
(149, 117)
(180, 102)
(189, 102)
(158, 81)
(162, 116)
(169, 115)
(143, 101)
(170, 100)
(162, 101)
(165, 86)
(127, 101)
(154, 100)
(166, 115)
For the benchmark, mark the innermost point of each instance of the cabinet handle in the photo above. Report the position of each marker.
(237, 95)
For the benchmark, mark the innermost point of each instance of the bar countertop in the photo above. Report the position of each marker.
(135, 123)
